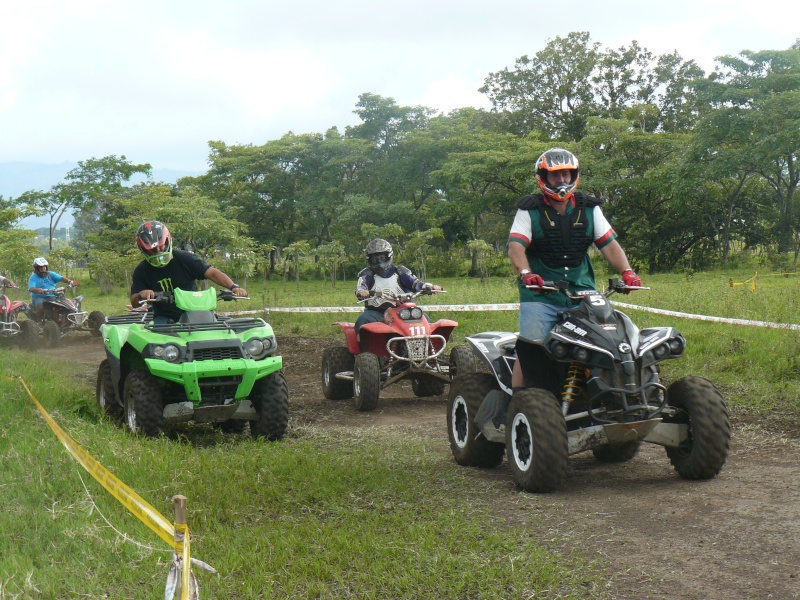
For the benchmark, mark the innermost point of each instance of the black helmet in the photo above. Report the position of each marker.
(155, 242)
(557, 159)
(379, 255)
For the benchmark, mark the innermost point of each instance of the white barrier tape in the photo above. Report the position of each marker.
(672, 313)
(358, 309)
(515, 306)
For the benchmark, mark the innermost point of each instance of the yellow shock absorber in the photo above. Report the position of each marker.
(572, 386)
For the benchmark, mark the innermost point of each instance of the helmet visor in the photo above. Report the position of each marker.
(160, 254)
(161, 259)
(375, 260)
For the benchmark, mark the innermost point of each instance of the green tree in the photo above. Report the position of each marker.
(753, 127)
(90, 183)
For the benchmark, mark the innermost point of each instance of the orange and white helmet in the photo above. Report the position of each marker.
(557, 159)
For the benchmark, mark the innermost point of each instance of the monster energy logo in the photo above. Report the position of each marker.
(166, 284)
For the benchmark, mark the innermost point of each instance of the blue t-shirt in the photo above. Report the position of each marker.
(46, 282)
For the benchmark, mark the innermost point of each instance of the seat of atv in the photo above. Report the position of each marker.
(199, 317)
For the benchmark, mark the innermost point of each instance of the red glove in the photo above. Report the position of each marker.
(629, 277)
(531, 279)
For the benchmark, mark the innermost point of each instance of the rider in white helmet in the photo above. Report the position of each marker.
(41, 283)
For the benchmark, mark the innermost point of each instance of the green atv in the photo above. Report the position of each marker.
(206, 368)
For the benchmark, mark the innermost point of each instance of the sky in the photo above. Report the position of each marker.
(156, 80)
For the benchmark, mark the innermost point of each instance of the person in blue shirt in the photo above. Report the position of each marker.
(41, 281)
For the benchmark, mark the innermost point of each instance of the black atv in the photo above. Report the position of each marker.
(61, 315)
(593, 384)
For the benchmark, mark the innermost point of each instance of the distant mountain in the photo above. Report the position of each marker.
(19, 177)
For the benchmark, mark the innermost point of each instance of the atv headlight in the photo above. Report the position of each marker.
(559, 350)
(169, 353)
(416, 313)
(580, 354)
(676, 346)
(258, 348)
(660, 351)
(405, 314)
(254, 347)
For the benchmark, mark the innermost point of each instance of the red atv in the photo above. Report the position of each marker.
(25, 332)
(406, 345)
(62, 315)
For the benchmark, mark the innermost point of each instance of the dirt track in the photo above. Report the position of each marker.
(656, 535)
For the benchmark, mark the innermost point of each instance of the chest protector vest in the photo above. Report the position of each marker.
(565, 239)
(391, 283)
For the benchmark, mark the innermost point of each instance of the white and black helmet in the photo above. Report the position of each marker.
(379, 255)
(39, 262)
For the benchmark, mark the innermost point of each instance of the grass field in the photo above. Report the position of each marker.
(331, 513)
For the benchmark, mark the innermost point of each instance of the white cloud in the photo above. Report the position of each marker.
(453, 91)
(156, 80)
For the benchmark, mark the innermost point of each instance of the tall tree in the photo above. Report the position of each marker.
(753, 127)
(549, 93)
(90, 183)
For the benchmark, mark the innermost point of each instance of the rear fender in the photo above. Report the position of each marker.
(349, 336)
(16, 306)
(497, 351)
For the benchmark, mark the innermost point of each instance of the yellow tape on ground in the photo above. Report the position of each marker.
(125, 495)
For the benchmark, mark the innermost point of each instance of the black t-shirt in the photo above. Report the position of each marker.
(182, 272)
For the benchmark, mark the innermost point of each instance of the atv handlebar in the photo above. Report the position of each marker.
(391, 296)
(614, 286)
(169, 298)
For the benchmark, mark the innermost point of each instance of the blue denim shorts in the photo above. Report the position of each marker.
(536, 319)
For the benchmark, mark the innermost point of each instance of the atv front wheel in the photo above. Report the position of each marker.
(104, 391)
(425, 388)
(462, 361)
(270, 398)
(702, 408)
(336, 360)
(94, 321)
(144, 408)
(466, 396)
(28, 335)
(536, 440)
(366, 381)
(51, 333)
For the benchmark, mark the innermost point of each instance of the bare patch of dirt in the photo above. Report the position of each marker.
(655, 535)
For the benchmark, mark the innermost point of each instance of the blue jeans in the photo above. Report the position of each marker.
(368, 316)
(536, 319)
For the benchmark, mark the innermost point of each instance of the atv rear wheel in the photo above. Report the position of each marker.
(28, 334)
(144, 408)
(703, 453)
(465, 398)
(424, 388)
(51, 333)
(617, 453)
(366, 381)
(462, 361)
(104, 390)
(536, 440)
(270, 398)
(94, 321)
(336, 360)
